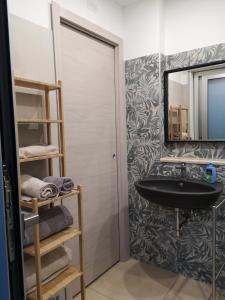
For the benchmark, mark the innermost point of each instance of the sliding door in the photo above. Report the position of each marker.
(88, 75)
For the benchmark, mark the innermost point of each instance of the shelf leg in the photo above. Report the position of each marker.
(37, 254)
(49, 134)
(61, 129)
(81, 242)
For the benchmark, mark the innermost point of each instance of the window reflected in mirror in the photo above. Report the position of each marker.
(195, 104)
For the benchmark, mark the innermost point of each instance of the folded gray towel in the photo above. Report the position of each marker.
(64, 184)
(52, 220)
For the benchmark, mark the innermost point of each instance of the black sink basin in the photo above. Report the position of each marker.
(179, 193)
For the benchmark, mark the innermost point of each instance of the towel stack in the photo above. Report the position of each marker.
(52, 220)
(49, 187)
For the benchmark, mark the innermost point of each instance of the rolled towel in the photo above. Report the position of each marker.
(64, 184)
(52, 220)
(36, 188)
(53, 264)
(37, 150)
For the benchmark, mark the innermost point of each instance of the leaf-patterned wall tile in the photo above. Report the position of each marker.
(178, 60)
(152, 228)
(207, 54)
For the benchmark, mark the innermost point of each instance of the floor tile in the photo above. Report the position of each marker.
(134, 280)
(92, 295)
(189, 289)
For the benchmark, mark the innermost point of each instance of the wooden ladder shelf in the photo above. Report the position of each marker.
(42, 247)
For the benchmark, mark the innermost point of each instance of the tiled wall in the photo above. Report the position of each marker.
(152, 228)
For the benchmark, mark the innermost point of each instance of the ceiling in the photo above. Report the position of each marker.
(125, 2)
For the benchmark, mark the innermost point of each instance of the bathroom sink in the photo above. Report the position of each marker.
(178, 192)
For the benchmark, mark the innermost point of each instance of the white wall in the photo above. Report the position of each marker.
(193, 24)
(31, 50)
(138, 23)
(105, 13)
(172, 26)
(147, 26)
(142, 28)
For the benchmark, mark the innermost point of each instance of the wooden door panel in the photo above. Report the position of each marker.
(88, 69)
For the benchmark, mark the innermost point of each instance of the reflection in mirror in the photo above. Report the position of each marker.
(195, 102)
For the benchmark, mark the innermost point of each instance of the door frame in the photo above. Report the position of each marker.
(61, 15)
(4, 259)
(11, 259)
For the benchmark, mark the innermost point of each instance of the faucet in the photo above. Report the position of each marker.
(183, 170)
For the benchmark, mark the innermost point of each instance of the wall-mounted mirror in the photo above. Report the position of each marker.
(195, 103)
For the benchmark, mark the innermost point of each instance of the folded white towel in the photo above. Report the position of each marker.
(36, 188)
(26, 198)
(31, 151)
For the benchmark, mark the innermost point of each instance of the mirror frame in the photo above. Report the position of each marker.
(166, 100)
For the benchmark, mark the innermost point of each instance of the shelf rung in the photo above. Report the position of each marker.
(60, 282)
(43, 157)
(28, 121)
(41, 202)
(27, 83)
(49, 244)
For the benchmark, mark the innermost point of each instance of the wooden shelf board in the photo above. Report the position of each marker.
(40, 157)
(60, 282)
(29, 204)
(192, 160)
(36, 84)
(54, 241)
(24, 121)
